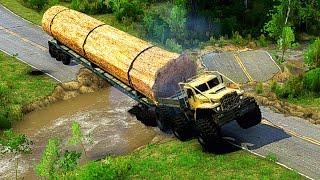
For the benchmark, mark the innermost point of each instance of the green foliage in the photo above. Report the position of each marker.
(272, 157)
(126, 9)
(40, 4)
(262, 41)
(286, 40)
(89, 6)
(312, 54)
(10, 142)
(172, 45)
(274, 86)
(293, 88)
(76, 135)
(238, 39)
(181, 159)
(311, 80)
(259, 88)
(48, 164)
(69, 161)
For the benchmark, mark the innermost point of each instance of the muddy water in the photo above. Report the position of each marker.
(104, 115)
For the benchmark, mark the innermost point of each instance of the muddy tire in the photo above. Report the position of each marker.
(182, 128)
(53, 50)
(250, 119)
(164, 117)
(144, 115)
(208, 133)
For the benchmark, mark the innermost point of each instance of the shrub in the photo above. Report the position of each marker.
(273, 86)
(292, 88)
(311, 80)
(172, 45)
(286, 40)
(262, 41)
(238, 39)
(125, 9)
(89, 6)
(40, 4)
(312, 54)
(259, 88)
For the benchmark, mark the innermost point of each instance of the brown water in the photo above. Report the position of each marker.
(104, 115)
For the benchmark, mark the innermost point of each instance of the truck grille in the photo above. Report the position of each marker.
(229, 101)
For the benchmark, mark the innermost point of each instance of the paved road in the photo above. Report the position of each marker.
(29, 43)
(298, 147)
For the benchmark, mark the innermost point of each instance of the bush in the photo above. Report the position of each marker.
(262, 41)
(293, 88)
(125, 9)
(40, 4)
(259, 88)
(172, 45)
(273, 86)
(312, 54)
(238, 39)
(89, 6)
(311, 80)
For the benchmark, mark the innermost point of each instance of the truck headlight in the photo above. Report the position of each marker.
(218, 108)
(241, 97)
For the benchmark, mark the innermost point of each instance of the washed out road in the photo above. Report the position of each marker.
(297, 145)
(30, 44)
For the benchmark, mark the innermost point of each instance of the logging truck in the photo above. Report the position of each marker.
(169, 91)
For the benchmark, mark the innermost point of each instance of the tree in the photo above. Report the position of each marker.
(10, 142)
(286, 40)
(312, 54)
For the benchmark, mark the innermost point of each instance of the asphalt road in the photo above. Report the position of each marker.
(297, 146)
(29, 43)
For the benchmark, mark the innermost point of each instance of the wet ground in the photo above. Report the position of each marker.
(104, 115)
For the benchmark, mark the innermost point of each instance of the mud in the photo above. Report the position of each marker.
(103, 114)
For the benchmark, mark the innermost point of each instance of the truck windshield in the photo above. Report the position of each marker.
(202, 88)
(213, 82)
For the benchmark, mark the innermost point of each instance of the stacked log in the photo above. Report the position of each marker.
(153, 71)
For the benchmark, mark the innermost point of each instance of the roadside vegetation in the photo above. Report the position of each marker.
(173, 160)
(18, 88)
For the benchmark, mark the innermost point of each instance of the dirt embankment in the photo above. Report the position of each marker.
(86, 82)
(279, 106)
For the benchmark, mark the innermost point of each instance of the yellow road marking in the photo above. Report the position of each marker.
(292, 133)
(244, 69)
(23, 38)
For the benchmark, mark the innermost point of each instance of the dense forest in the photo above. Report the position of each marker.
(180, 24)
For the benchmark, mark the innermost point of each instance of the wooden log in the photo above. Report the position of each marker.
(155, 71)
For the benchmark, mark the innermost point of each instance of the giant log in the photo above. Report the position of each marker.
(148, 69)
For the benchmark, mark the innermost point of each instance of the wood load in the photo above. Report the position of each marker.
(150, 70)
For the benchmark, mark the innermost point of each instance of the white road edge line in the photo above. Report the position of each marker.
(19, 16)
(260, 155)
(32, 66)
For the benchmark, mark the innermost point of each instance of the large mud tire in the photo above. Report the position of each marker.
(208, 133)
(164, 117)
(182, 128)
(144, 115)
(53, 50)
(250, 119)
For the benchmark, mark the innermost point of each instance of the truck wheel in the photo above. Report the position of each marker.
(164, 115)
(250, 119)
(64, 58)
(208, 133)
(53, 50)
(182, 127)
(144, 115)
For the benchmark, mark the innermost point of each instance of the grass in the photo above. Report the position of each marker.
(35, 17)
(183, 160)
(19, 88)
(307, 102)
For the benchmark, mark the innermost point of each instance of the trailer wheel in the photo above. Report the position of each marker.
(66, 59)
(53, 50)
(145, 115)
(163, 119)
(182, 128)
(250, 119)
(208, 133)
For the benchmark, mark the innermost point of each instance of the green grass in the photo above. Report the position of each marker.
(27, 13)
(35, 17)
(183, 160)
(18, 88)
(308, 102)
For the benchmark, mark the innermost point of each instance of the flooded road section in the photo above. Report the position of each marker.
(104, 115)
